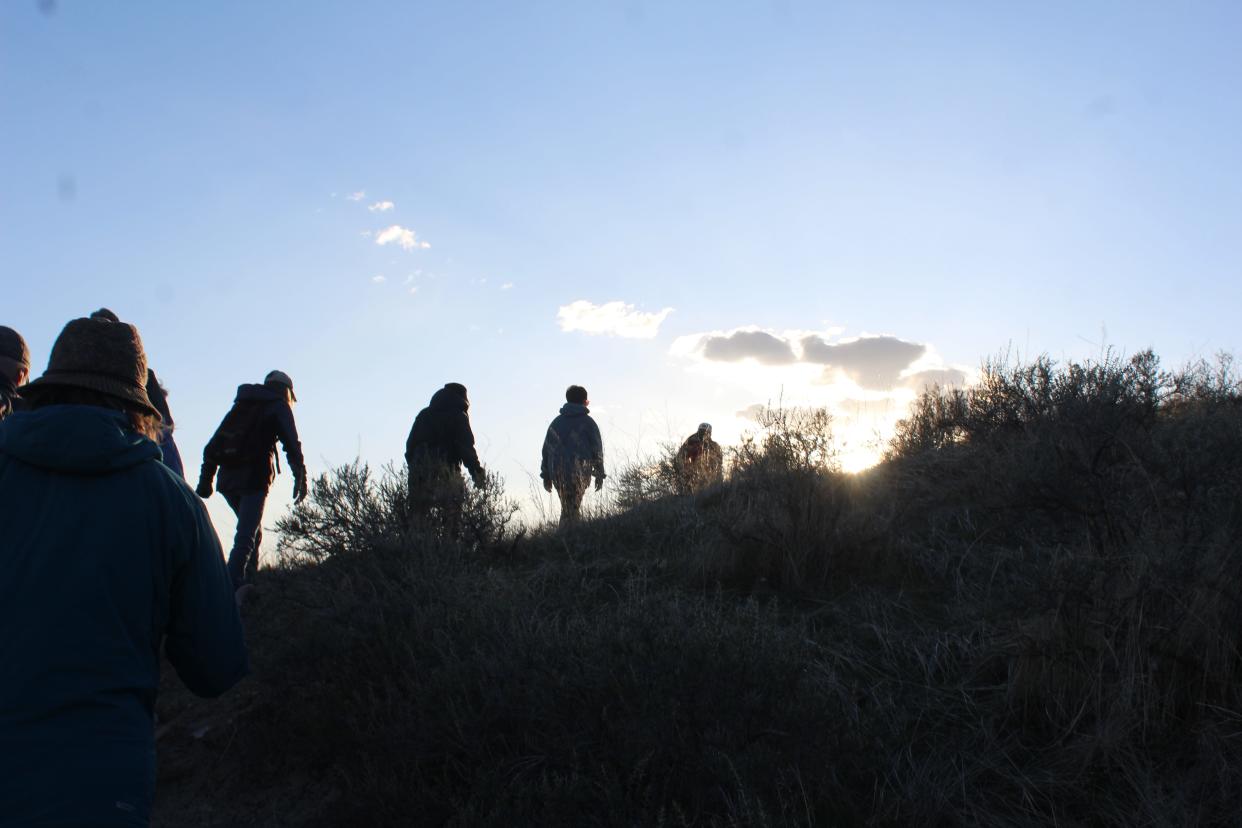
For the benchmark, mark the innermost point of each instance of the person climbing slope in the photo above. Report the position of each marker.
(242, 449)
(573, 453)
(441, 441)
(107, 558)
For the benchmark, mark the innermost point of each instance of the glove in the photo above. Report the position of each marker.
(547, 485)
(203, 489)
(299, 488)
(599, 483)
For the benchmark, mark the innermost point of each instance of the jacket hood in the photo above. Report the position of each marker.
(83, 439)
(446, 399)
(255, 391)
(574, 410)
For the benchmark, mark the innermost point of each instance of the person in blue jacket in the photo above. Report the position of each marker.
(242, 450)
(106, 556)
(573, 452)
(158, 396)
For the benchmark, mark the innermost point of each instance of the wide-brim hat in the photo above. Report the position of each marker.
(101, 356)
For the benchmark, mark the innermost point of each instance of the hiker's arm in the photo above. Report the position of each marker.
(204, 639)
(465, 448)
(597, 451)
(547, 464)
(207, 474)
(287, 433)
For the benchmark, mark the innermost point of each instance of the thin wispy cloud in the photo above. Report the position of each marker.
(381, 207)
(401, 236)
(379, 280)
(610, 319)
(358, 196)
(507, 286)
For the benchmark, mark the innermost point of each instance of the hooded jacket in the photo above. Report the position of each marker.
(104, 552)
(572, 447)
(275, 422)
(441, 434)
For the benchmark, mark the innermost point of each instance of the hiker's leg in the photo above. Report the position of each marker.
(581, 484)
(416, 501)
(249, 510)
(252, 563)
(570, 493)
(423, 483)
(454, 503)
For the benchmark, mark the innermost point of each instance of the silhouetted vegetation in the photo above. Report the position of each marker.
(1029, 613)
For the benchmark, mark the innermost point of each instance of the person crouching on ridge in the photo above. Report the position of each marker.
(107, 559)
(699, 462)
(440, 443)
(573, 452)
(242, 450)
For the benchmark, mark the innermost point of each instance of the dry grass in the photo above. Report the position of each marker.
(1029, 614)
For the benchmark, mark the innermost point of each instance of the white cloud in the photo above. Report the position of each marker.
(611, 318)
(507, 286)
(402, 236)
(358, 196)
(366, 234)
(379, 280)
(381, 207)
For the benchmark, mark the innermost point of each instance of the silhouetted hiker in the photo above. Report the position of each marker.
(243, 448)
(699, 462)
(573, 452)
(440, 443)
(14, 369)
(159, 399)
(106, 553)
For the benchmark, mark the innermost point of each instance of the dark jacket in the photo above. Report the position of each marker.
(441, 434)
(275, 422)
(9, 400)
(572, 446)
(159, 398)
(104, 553)
(699, 462)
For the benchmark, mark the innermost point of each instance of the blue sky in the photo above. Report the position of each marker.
(969, 178)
